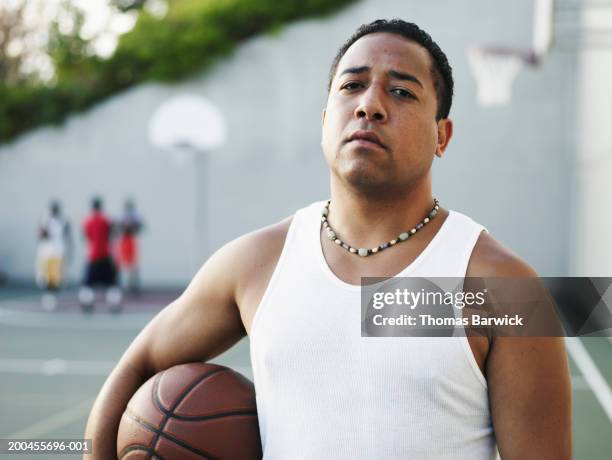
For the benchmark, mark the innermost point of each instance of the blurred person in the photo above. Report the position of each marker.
(53, 252)
(294, 288)
(129, 226)
(101, 270)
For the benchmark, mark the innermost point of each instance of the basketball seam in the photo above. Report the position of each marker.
(214, 416)
(188, 390)
(168, 414)
(128, 413)
(134, 447)
(167, 436)
(142, 422)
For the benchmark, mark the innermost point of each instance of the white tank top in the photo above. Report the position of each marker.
(326, 392)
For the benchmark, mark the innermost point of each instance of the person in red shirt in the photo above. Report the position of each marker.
(129, 226)
(101, 270)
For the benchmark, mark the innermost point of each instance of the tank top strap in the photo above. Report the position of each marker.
(451, 248)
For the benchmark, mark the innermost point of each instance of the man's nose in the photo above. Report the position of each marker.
(370, 107)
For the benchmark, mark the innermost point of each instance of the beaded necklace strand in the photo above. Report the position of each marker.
(364, 252)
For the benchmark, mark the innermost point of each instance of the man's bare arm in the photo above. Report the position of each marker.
(530, 397)
(528, 377)
(202, 323)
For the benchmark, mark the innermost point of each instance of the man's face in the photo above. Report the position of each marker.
(379, 127)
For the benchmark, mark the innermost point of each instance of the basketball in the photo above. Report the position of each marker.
(191, 411)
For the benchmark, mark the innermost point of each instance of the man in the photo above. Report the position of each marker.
(101, 270)
(323, 391)
(54, 249)
(130, 226)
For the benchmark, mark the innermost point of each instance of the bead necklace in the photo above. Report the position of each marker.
(364, 252)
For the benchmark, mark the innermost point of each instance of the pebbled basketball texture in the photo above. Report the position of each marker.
(191, 411)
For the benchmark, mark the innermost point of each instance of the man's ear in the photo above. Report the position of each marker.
(445, 132)
(323, 116)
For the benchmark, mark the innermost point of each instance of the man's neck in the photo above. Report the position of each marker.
(367, 222)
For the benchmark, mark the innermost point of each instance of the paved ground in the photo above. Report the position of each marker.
(53, 364)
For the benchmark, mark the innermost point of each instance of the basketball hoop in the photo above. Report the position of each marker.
(186, 125)
(496, 67)
(495, 71)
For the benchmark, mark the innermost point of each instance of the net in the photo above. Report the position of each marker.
(495, 71)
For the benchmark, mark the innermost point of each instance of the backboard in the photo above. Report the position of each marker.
(569, 25)
(186, 124)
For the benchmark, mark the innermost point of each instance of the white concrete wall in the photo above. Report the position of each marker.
(508, 168)
(104, 151)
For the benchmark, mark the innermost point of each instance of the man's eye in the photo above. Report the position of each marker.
(351, 85)
(402, 92)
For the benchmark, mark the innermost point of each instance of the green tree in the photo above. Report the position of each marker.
(14, 36)
(127, 5)
(191, 37)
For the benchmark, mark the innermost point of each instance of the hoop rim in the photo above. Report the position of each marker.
(528, 56)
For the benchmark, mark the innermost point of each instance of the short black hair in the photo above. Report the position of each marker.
(96, 203)
(441, 71)
(55, 208)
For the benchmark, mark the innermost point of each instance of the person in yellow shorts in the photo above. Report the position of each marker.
(54, 248)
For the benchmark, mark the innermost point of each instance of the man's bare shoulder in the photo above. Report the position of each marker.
(252, 257)
(490, 258)
(236, 273)
(242, 258)
(265, 242)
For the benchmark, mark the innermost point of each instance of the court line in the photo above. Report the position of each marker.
(59, 366)
(56, 366)
(591, 373)
(80, 321)
(55, 422)
(16, 398)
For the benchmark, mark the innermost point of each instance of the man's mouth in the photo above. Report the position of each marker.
(366, 138)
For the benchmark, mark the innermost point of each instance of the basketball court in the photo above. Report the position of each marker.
(52, 366)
